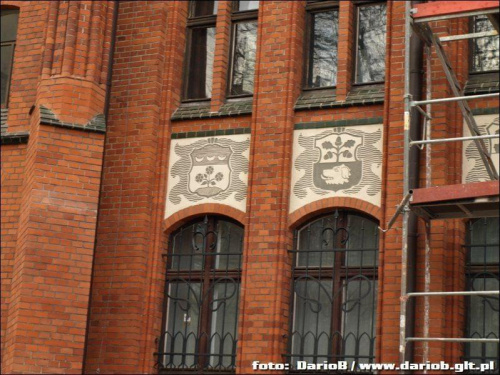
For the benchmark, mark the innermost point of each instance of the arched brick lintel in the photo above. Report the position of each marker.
(183, 216)
(303, 214)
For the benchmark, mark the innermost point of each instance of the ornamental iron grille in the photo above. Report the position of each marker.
(483, 274)
(334, 290)
(201, 297)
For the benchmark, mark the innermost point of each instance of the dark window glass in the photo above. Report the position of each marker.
(335, 290)
(201, 63)
(243, 64)
(485, 51)
(204, 8)
(202, 294)
(248, 5)
(9, 19)
(370, 54)
(482, 275)
(322, 70)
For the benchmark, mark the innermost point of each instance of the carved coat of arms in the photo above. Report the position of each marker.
(210, 171)
(338, 167)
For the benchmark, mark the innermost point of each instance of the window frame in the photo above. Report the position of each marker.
(337, 273)
(239, 16)
(207, 277)
(12, 45)
(194, 22)
(311, 8)
(354, 72)
(473, 271)
(472, 50)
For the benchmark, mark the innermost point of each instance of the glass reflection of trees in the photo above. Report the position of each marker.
(485, 51)
(370, 56)
(323, 49)
(245, 46)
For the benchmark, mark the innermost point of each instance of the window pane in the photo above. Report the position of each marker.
(8, 25)
(248, 5)
(362, 243)
(482, 275)
(484, 241)
(6, 65)
(201, 63)
(223, 337)
(370, 61)
(182, 328)
(245, 43)
(312, 320)
(359, 308)
(204, 8)
(485, 50)
(323, 53)
(483, 321)
(188, 248)
(229, 245)
(316, 242)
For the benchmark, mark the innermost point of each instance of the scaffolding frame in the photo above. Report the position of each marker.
(419, 25)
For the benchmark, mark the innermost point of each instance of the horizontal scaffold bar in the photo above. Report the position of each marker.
(461, 293)
(483, 34)
(454, 99)
(442, 140)
(451, 339)
(437, 9)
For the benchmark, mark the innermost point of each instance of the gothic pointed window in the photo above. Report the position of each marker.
(201, 297)
(334, 295)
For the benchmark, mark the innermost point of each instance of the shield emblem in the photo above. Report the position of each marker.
(338, 167)
(210, 172)
(492, 129)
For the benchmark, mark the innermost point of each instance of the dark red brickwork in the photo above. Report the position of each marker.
(83, 226)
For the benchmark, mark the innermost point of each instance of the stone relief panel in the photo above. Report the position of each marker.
(473, 169)
(337, 162)
(208, 170)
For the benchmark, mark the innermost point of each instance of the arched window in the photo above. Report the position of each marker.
(482, 274)
(334, 290)
(201, 296)
(8, 37)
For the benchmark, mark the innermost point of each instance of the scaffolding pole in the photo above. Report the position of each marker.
(417, 24)
(406, 189)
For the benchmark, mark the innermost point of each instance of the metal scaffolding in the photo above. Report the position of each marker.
(452, 201)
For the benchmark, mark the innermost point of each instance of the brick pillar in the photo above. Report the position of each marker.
(266, 268)
(50, 287)
(120, 338)
(390, 281)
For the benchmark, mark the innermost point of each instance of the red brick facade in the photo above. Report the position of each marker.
(83, 207)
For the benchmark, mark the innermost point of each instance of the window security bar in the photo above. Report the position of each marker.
(443, 140)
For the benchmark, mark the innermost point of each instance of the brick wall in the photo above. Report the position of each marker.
(57, 188)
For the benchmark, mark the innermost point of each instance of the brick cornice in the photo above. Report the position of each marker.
(181, 217)
(310, 210)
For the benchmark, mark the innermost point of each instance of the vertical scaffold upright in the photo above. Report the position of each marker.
(472, 200)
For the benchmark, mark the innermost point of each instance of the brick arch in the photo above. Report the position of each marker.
(183, 216)
(305, 213)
